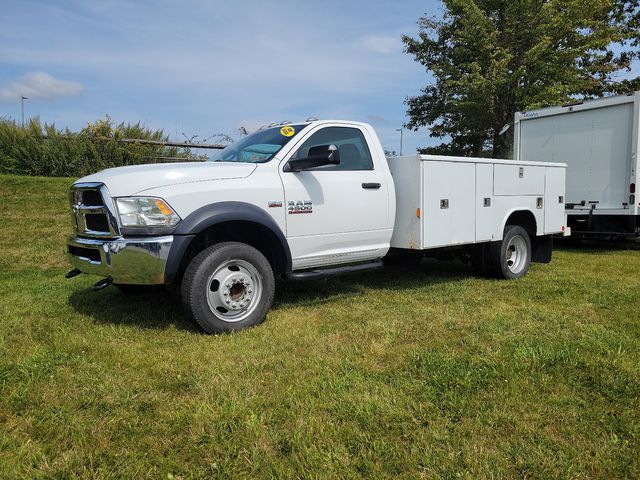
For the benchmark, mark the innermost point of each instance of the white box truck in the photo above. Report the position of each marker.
(598, 140)
(299, 201)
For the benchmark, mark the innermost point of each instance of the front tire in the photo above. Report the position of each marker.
(510, 258)
(228, 287)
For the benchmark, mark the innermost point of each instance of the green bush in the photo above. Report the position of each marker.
(43, 150)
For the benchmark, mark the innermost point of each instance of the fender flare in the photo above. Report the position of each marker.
(518, 210)
(213, 214)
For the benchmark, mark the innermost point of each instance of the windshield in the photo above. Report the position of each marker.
(258, 147)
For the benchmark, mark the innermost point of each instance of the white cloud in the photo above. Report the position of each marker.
(39, 85)
(382, 43)
(375, 118)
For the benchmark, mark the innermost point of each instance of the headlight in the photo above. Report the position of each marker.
(145, 212)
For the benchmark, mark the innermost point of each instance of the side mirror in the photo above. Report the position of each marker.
(318, 156)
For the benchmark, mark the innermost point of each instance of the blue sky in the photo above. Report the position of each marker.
(202, 67)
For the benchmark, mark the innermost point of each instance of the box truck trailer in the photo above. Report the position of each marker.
(598, 140)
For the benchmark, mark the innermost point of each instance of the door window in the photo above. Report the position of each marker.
(354, 152)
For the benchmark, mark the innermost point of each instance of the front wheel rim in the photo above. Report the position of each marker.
(234, 290)
(516, 254)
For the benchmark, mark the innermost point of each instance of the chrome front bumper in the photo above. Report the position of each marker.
(140, 261)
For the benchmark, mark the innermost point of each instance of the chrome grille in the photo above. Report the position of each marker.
(91, 197)
(92, 211)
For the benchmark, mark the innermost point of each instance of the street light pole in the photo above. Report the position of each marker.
(400, 130)
(22, 99)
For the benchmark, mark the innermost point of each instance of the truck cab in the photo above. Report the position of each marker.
(295, 201)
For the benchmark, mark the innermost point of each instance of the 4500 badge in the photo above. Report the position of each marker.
(300, 206)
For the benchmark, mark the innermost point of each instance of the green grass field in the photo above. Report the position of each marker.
(405, 373)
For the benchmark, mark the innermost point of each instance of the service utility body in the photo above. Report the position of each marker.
(304, 200)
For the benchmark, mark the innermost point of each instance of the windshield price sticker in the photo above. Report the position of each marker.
(287, 131)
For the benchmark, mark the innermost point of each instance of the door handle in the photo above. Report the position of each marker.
(372, 186)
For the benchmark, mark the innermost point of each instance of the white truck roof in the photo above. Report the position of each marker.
(577, 106)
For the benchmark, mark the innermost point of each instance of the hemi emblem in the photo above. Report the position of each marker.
(275, 204)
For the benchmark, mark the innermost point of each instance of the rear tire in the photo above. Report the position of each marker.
(228, 287)
(510, 258)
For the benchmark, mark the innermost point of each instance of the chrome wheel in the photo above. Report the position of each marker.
(234, 290)
(516, 254)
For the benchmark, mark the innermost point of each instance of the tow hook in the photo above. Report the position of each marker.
(100, 284)
(72, 273)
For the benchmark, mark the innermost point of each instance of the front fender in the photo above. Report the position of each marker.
(219, 212)
(214, 214)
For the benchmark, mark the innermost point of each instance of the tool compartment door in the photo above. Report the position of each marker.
(518, 180)
(484, 202)
(449, 203)
(554, 191)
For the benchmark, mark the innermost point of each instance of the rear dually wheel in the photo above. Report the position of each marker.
(510, 258)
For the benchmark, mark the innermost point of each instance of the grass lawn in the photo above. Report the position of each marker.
(407, 373)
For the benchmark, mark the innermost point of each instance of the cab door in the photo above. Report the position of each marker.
(337, 213)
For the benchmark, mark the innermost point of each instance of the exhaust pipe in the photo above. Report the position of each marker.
(100, 284)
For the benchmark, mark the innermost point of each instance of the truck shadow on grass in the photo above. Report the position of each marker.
(595, 246)
(157, 308)
(393, 277)
(162, 309)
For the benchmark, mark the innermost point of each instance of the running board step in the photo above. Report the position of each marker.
(332, 272)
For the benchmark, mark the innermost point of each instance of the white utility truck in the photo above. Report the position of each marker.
(598, 139)
(301, 201)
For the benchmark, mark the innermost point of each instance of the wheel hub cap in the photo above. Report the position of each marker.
(516, 254)
(234, 290)
(237, 291)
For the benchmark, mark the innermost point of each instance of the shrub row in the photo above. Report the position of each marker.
(43, 150)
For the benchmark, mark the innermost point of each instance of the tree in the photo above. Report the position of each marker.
(491, 58)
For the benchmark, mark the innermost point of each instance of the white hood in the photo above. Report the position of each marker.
(124, 181)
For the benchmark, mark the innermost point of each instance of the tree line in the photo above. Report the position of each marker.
(44, 150)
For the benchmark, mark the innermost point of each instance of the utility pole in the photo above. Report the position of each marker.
(22, 99)
(400, 130)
